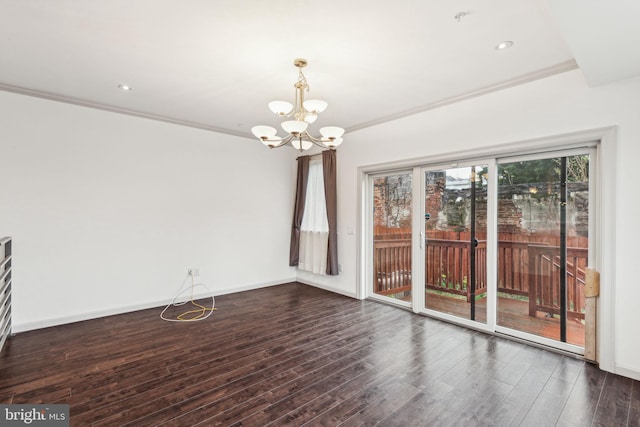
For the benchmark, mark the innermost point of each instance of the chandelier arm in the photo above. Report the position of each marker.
(319, 144)
(317, 141)
(313, 139)
(286, 140)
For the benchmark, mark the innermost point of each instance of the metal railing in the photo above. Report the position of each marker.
(5, 289)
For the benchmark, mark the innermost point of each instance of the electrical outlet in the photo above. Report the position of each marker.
(189, 271)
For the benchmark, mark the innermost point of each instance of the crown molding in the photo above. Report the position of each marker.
(84, 103)
(562, 67)
(526, 78)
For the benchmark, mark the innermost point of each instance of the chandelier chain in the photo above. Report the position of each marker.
(302, 80)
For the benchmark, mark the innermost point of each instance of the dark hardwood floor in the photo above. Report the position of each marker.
(297, 355)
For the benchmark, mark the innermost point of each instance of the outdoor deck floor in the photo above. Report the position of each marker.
(512, 314)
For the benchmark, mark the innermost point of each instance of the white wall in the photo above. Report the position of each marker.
(108, 211)
(557, 105)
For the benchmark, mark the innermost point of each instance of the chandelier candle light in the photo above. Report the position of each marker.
(302, 113)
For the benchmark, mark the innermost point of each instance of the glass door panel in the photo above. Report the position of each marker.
(455, 242)
(543, 224)
(392, 205)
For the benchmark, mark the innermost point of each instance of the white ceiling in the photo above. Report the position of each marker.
(216, 64)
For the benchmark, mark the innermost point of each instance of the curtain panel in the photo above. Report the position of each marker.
(314, 232)
(298, 209)
(329, 169)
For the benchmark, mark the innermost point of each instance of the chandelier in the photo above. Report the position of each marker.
(302, 114)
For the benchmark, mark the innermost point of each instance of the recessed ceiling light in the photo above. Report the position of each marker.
(125, 87)
(504, 45)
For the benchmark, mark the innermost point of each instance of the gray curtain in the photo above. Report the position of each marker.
(329, 171)
(298, 209)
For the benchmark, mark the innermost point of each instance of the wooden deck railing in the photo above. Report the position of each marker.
(392, 261)
(448, 271)
(513, 267)
(544, 280)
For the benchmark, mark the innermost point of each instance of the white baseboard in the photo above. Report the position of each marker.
(628, 372)
(17, 328)
(327, 288)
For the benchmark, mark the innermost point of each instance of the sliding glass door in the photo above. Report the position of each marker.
(455, 218)
(543, 246)
(392, 201)
(500, 244)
